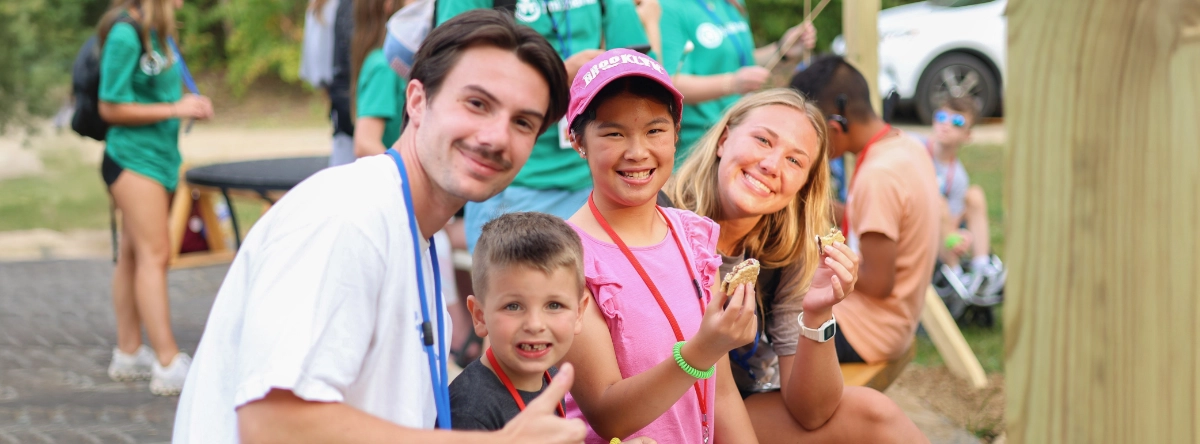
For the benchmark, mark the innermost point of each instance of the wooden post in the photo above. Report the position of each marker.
(1103, 108)
(859, 25)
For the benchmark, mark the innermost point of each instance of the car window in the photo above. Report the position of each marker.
(957, 3)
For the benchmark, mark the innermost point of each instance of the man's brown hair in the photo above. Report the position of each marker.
(963, 105)
(444, 46)
(536, 240)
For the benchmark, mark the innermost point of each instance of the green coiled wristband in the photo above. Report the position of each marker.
(687, 368)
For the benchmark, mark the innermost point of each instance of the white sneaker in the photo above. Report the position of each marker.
(168, 381)
(132, 367)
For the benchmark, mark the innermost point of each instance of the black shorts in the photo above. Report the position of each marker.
(845, 352)
(109, 170)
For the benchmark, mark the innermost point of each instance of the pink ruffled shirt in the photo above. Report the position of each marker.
(641, 335)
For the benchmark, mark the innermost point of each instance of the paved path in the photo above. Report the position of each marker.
(56, 339)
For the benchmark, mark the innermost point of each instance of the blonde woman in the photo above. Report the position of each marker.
(762, 174)
(141, 97)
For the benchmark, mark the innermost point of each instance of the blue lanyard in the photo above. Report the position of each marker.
(437, 361)
(563, 37)
(737, 42)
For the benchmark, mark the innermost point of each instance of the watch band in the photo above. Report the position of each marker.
(824, 333)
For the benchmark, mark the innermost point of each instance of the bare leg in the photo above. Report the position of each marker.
(129, 324)
(977, 221)
(863, 415)
(144, 207)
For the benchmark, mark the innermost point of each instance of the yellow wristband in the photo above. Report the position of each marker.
(615, 441)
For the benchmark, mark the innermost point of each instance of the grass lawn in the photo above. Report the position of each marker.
(70, 195)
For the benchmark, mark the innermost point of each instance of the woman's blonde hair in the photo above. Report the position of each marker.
(157, 15)
(783, 239)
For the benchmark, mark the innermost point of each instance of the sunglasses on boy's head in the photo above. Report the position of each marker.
(955, 119)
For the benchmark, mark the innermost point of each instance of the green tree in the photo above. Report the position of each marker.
(40, 39)
(771, 18)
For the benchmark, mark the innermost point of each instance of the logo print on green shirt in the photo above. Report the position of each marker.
(528, 11)
(709, 35)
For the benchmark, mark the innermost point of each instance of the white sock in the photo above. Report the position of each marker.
(979, 263)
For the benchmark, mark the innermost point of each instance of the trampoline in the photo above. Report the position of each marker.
(260, 177)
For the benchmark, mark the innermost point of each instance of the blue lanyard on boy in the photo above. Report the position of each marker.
(564, 36)
(737, 41)
(437, 361)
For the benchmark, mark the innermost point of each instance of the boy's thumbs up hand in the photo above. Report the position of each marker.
(539, 423)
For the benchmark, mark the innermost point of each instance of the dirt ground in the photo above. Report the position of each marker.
(980, 411)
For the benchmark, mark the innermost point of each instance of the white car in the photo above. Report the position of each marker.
(939, 48)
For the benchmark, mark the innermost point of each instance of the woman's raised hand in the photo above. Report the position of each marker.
(834, 279)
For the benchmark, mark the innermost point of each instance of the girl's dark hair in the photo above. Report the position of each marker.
(370, 27)
(639, 86)
(444, 46)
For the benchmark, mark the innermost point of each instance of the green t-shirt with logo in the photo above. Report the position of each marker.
(128, 76)
(717, 30)
(552, 165)
(380, 94)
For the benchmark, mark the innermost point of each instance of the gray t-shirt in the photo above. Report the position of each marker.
(756, 369)
(479, 401)
(955, 192)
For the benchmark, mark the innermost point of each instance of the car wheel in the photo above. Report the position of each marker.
(956, 75)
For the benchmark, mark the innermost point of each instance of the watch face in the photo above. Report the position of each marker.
(829, 331)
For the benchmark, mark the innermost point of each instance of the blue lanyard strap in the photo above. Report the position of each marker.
(563, 37)
(437, 361)
(737, 41)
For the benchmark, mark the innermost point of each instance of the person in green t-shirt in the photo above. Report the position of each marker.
(723, 64)
(378, 92)
(141, 98)
(555, 180)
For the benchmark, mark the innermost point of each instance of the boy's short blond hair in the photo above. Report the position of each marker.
(536, 240)
(965, 106)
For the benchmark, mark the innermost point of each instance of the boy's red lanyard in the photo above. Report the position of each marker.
(512, 390)
(701, 393)
(857, 168)
(949, 170)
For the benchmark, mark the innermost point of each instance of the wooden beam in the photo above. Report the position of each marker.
(877, 376)
(1103, 205)
(861, 29)
(948, 339)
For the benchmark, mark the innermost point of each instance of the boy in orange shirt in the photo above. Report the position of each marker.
(892, 215)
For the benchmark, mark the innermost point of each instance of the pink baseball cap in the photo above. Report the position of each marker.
(612, 65)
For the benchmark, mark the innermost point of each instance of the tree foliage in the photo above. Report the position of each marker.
(38, 43)
(771, 18)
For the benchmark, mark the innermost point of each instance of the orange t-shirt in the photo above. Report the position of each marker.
(895, 194)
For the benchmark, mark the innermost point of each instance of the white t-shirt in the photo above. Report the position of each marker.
(321, 300)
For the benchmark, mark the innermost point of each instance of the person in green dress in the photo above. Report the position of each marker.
(141, 97)
(377, 91)
(723, 63)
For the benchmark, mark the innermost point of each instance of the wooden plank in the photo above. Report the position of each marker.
(1102, 209)
(213, 232)
(861, 28)
(177, 220)
(955, 351)
(202, 259)
(877, 376)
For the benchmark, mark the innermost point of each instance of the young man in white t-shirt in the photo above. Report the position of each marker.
(317, 332)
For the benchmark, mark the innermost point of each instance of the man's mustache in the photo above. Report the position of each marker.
(491, 156)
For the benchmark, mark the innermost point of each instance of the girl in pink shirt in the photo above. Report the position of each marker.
(652, 359)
